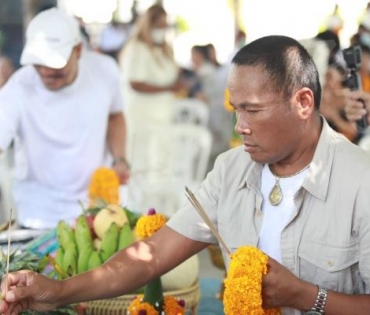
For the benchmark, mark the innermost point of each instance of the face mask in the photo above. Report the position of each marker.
(365, 39)
(158, 35)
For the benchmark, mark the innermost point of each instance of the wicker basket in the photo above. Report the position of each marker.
(118, 306)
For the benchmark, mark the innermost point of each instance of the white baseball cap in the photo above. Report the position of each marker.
(50, 38)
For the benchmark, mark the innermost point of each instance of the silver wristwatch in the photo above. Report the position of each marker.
(319, 307)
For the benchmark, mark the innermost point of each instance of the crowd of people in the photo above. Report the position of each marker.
(297, 188)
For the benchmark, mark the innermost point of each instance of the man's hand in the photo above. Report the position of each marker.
(24, 292)
(122, 169)
(281, 288)
(355, 108)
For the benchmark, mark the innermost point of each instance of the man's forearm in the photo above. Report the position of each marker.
(117, 135)
(101, 283)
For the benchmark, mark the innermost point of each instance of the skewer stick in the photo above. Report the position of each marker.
(193, 200)
(8, 254)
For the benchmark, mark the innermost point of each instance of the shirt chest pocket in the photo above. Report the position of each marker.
(333, 267)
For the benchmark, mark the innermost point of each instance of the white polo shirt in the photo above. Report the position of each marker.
(60, 137)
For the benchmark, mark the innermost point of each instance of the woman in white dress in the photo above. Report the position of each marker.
(151, 82)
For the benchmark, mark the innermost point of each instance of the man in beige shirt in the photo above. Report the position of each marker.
(296, 189)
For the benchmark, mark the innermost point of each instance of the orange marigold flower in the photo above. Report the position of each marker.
(172, 306)
(104, 185)
(243, 284)
(147, 225)
(138, 307)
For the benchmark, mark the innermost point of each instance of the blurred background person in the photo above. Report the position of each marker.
(151, 80)
(212, 77)
(6, 69)
(334, 101)
(113, 38)
(64, 109)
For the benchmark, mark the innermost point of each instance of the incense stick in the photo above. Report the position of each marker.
(193, 200)
(8, 255)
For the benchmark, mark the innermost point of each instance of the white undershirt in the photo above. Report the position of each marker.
(277, 217)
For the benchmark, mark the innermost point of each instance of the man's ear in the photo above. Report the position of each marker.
(305, 103)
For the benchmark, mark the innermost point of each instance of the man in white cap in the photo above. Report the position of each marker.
(64, 111)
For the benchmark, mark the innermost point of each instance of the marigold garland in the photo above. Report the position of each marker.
(243, 284)
(147, 225)
(172, 306)
(104, 185)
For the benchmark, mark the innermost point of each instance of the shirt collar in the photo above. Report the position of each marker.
(317, 181)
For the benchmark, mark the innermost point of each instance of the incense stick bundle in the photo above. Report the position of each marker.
(193, 200)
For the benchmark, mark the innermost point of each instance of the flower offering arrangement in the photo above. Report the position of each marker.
(243, 284)
(152, 302)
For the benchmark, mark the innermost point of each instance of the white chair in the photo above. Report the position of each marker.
(176, 156)
(191, 110)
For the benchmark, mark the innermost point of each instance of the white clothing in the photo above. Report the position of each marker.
(113, 37)
(142, 64)
(276, 218)
(60, 137)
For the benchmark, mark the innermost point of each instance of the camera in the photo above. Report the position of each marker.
(352, 57)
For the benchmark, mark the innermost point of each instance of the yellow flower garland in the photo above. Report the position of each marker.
(171, 307)
(147, 225)
(243, 284)
(104, 185)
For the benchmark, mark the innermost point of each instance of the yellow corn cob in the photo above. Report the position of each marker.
(104, 185)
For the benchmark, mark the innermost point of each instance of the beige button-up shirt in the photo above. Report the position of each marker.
(327, 240)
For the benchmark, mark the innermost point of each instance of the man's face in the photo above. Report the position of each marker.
(55, 79)
(269, 124)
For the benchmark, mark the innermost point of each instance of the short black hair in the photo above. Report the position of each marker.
(286, 61)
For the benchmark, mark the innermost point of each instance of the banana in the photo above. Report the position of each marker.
(57, 267)
(83, 258)
(59, 256)
(109, 242)
(65, 234)
(126, 237)
(82, 233)
(94, 260)
(70, 259)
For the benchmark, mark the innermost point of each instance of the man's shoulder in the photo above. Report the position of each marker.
(24, 75)
(22, 80)
(235, 157)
